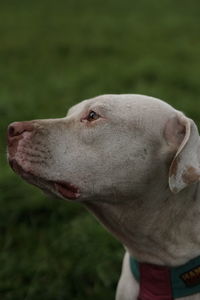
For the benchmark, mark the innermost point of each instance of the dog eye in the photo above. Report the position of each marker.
(92, 116)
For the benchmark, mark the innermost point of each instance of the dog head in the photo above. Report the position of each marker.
(108, 148)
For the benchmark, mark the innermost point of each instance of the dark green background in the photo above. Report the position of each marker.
(54, 54)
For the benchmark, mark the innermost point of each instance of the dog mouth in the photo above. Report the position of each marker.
(60, 188)
(67, 190)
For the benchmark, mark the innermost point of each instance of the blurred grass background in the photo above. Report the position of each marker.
(54, 54)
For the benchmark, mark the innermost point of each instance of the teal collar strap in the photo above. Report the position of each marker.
(182, 281)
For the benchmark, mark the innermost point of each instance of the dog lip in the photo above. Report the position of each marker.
(18, 169)
(67, 190)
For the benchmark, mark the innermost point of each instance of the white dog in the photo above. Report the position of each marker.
(134, 162)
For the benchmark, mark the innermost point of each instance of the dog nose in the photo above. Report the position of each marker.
(17, 128)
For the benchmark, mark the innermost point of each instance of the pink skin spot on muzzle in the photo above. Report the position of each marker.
(15, 133)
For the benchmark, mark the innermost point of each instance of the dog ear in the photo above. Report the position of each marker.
(182, 134)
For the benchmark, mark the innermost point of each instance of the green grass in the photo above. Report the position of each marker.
(54, 54)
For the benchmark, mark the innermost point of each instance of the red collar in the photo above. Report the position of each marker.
(150, 274)
(164, 283)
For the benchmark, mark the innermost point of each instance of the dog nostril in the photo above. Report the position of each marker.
(17, 128)
(11, 131)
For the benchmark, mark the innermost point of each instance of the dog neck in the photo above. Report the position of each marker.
(160, 230)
